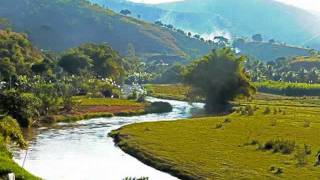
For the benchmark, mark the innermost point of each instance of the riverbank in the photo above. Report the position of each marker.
(10, 133)
(263, 139)
(7, 165)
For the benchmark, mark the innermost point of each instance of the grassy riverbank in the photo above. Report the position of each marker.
(264, 139)
(87, 108)
(10, 133)
(7, 165)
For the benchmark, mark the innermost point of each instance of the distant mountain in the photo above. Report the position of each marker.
(61, 24)
(233, 18)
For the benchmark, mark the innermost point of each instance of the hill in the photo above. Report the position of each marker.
(267, 51)
(61, 24)
(270, 18)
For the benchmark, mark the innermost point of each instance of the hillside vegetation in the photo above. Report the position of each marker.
(61, 24)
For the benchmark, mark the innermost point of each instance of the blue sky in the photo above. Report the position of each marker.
(311, 5)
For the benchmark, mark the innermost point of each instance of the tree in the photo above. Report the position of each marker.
(197, 36)
(106, 62)
(125, 12)
(75, 62)
(219, 77)
(16, 54)
(272, 41)
(257, 37)
(159, 23)
(222, 41)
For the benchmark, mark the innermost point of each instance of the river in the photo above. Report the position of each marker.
(83, 151)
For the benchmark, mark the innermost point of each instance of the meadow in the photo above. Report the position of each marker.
(264, 138)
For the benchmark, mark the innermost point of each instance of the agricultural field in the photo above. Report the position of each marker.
(263, 139)
(86, 108)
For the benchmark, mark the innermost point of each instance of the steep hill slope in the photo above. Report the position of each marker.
(61, 24)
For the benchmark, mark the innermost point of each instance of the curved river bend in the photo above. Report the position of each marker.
(82, 150)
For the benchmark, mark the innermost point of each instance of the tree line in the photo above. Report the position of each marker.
(35, 83)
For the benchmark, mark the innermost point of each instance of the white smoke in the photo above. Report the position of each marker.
(215, 33)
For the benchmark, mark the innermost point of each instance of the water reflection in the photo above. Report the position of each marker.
(83, 151)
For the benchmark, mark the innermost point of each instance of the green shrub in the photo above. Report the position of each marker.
(159, 107)
(21, 106)
(10, 131)
(281, 146)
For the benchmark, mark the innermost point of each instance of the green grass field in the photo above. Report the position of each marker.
(236, 146)
(168, 91)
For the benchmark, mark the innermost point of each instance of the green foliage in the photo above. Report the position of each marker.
(16, 54)
(219, 77)
(21, 106)
(159, 107)
(100, 60)
(279, 145)
(10, 131)
(75, 62)
(49, 95)
(8, 165)
(298, 70)
(172, 75)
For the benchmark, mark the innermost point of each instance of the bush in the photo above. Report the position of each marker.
(281, 146)
(159, 107)
(21, 106)
(10, 131)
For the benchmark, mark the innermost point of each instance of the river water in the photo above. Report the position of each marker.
(83, 151)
